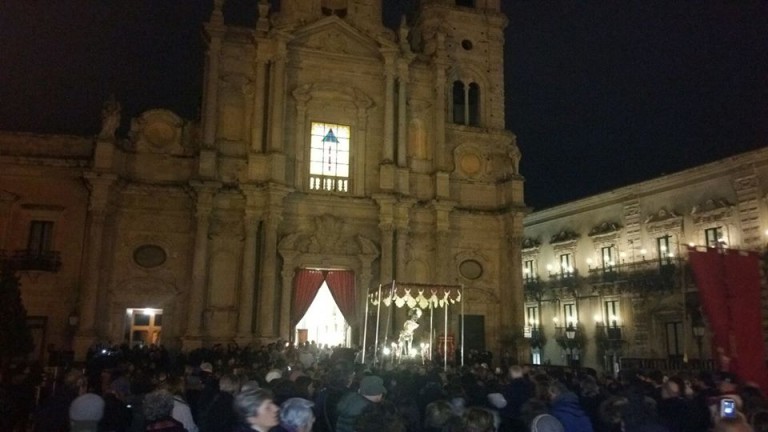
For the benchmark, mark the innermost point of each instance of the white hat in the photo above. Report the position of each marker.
(273, 375)
(206, 367)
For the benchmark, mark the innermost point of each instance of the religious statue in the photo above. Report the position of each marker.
(110, 118)
(406, 334)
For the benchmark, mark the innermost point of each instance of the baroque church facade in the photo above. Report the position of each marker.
(326, 141)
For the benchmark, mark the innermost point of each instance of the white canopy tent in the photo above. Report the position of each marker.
(413, 295)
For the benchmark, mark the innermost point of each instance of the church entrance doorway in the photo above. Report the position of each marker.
(324, 323)
(143, 326)
(324, 307)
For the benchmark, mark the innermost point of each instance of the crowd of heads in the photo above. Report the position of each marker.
(311, 388)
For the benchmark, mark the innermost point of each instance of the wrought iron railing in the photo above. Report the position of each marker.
(30, 260)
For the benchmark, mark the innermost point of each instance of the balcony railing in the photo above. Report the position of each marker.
(667, 365)
(30, 260)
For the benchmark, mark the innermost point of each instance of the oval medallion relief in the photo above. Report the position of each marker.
(471, 269)
(149, 256)
(470, 164)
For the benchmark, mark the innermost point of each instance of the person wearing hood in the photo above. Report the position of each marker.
(565, 407)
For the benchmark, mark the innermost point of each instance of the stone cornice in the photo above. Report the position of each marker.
(677, 180)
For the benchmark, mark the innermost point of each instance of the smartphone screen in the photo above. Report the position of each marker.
(727, 408)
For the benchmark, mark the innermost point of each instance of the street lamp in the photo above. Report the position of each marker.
(698, 333)
(570, 335)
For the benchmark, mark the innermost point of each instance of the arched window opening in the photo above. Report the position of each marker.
(334, 7)
(474, 104)
(459, 102)
(465, 3)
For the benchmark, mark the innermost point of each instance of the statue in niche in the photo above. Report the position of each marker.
(110, 118)
(515, 155)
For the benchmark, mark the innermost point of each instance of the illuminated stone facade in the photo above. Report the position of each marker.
(614, 264)
(210, 220)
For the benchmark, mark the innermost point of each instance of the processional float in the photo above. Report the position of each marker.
(417, 297)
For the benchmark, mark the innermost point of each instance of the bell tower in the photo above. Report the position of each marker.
(467, 37)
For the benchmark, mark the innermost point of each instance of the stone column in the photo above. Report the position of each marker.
(387, 154)
(402, 107)
(257, 128)
(287, 274)
(442, 211)
(511, 293)
(277, 104)
(248, 280)
(401, 247)
(268, 305)
(215, 29)
(439, 156)
(99, 185)
(386, 228)
(205, 192)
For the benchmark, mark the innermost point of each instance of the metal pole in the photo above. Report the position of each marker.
(389, 314)
(462, 324)
(365, 323)
(445, 334)
(378, 320)
(431, 330)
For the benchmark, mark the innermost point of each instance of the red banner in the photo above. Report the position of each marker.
(729, 290)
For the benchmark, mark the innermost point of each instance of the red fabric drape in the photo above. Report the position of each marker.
(709, 275)
(729, 289)
(342, 286)
(306, 283)
(742, 273)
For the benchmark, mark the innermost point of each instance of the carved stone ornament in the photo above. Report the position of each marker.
(605, 229)
(157, 131)
(563, 237)
(335, 37)
(664, 221)
(712, 210)
(531, 244)
(329, 236)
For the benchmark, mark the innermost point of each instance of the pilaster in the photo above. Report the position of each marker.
(251, 219)
(100, 186)
(204, 195)
(267, 304)
(277, 101)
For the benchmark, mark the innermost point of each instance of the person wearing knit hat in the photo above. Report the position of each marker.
(85, 412)
(351, 406)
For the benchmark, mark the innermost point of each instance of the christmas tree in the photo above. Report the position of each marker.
(15, 337)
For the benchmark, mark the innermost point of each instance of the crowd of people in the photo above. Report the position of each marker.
(309, 388)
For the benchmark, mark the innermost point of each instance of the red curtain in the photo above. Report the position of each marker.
(342, 286)
(306, 283)
(709, 274)
(742, 273)
(729, 289)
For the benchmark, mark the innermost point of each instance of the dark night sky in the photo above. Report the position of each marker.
(600, 93)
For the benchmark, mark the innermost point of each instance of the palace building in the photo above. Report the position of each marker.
(607, 280)
(327, 143)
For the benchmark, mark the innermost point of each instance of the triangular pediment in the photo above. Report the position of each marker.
(334, 36)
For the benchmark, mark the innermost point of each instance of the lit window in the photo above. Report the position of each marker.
(529, 271)
(607, 255)
(664, 252)
(569, 313)
(713, 236)
(566, 265)
(329, 157)
(532, 313)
